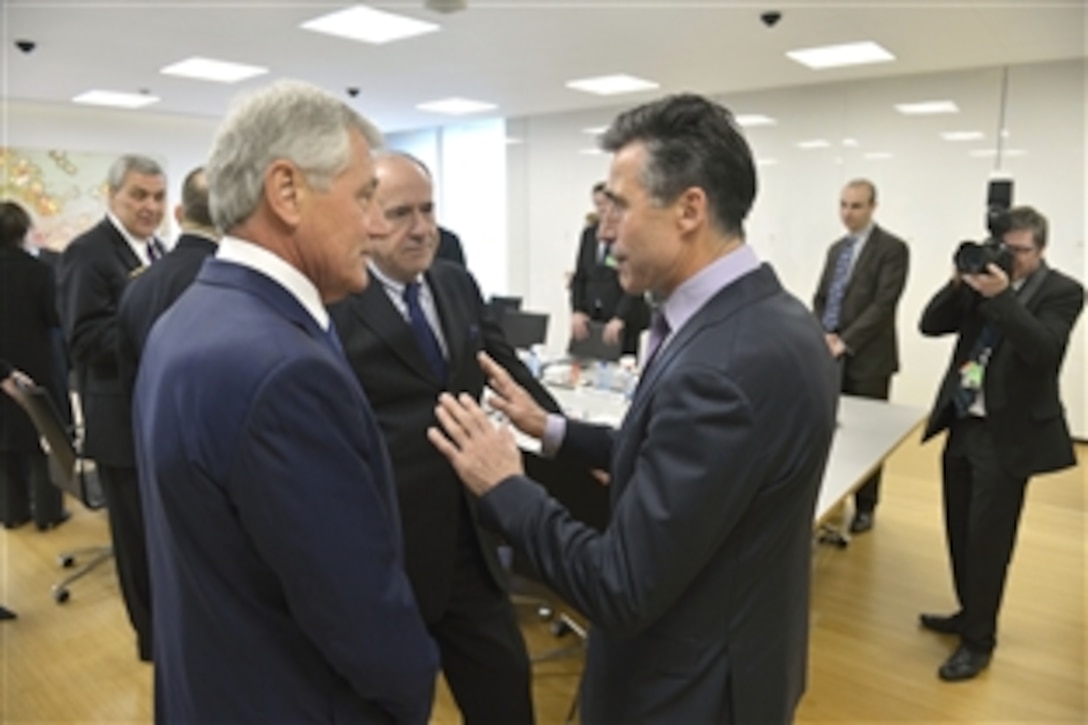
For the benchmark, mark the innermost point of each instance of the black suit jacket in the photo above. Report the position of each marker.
(867, 320)
(403, 391)
(698, 589)
(1023, 407)
(595, 290)
(94, 270)
(28, 316)
(146, 297)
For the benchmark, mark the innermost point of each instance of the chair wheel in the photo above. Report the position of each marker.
(560, 628)
(67, 561)
(60, 596)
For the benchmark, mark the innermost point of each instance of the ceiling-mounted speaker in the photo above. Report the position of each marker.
(446, 6)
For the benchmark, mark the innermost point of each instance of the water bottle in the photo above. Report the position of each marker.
(604, 375)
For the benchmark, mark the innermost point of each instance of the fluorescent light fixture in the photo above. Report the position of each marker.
(511, 141)
(925, 108)
(456, 106)
(962, 135)
(611, 85)
(850, 143)
(208, 69)
(835, 56)
(879, 155)
(591, 152)
(766, 162)
(368, 25)
(991, 153)
(816, 143)
(116, 99)
(748, 120)
(595, 130)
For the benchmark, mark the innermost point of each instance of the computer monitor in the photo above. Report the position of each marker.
(500, 305)
(593, 347)
(524, 329)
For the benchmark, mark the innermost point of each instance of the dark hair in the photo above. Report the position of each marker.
(691, 141)
(599, 187)
(14, 224)
(195, 206)
(1025, 217)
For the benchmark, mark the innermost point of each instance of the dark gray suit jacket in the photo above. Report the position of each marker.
(698, 590)
(867, 322)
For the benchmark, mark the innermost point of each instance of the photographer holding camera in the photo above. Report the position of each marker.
(1000, 403)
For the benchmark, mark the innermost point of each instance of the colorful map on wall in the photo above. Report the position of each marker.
(64, 191)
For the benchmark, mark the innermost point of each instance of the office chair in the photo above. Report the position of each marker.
(70, 471)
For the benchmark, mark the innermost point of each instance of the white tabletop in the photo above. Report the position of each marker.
(867, 432)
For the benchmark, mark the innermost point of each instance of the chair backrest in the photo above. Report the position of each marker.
(499, 305)
(525, 329)
(69, 470)
(593, 347)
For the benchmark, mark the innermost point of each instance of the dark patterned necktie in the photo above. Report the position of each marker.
(154, 249)
(428, 343)
(838, 285)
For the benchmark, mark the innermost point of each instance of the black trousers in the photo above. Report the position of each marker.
(26, 490)
(484, 657)
(122, 492)
(867, 497)
(982, 505)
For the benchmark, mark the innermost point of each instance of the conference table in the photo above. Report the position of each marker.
(867, 432)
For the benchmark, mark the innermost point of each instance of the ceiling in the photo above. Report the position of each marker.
(515, 53)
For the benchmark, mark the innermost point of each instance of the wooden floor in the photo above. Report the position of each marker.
(869, 661)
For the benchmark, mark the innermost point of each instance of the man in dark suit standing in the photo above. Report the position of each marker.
(856, 301)
(280, 594)
(698, 589)
(411, 334)
(28, 318)
(595, 291)
(94, 270)
(1000, 403)
(152, 291)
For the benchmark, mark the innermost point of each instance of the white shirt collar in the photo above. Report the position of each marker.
(139, 246)
(255, 257)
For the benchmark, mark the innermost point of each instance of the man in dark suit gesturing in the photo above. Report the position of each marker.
(94, 270)
(999, 402)
(856, 301)
(698, 588)
(280, 594)
(412, 333)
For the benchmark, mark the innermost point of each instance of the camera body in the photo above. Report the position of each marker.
(973, 257)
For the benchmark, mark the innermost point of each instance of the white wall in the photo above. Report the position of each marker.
(932, 191)
(182, 141)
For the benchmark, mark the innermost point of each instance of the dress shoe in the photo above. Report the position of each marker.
(6, 613)
(863, 521)
(64, 516)
(16, 523)
(964, 664)
(940, 623)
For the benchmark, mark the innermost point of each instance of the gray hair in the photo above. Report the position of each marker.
(287, 120)
(130, 163)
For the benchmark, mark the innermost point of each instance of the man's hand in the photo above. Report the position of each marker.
(613, 331)
(988, 285)
(579, 325)
(835, 345)
(512, 400)
(482, 454)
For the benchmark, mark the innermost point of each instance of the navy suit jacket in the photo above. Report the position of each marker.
(403, 389)
(273, 532)
(698, 590)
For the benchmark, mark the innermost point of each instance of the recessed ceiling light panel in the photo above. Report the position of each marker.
(748, 120)
(209, 69)
(368, 25)
(456, 106)
(836, 56)
(611, 85)
(927, 108)
(963, 135)
(115, 99)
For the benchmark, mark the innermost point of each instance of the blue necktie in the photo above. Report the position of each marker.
(428, 343)
(838, 285)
